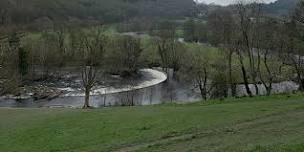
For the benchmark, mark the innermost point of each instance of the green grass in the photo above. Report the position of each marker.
(247, 124)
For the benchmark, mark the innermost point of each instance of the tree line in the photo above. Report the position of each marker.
(41, 56)
(37, 12)
(247, 47)
(262, 46)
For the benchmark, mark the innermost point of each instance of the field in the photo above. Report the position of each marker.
(248, 124)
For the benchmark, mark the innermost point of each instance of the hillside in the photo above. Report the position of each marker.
(25, 11)
(280, 7)
(249, 124)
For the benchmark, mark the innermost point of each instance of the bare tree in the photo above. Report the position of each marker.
(249, 17)
(222, 25)
(11, 75)
(292, 43)
(292, 50)
(92, 48)
(196, 68)
(244, 71)
(169, 50)
(130, 52)
(89, 73)
(2, 52)
(124, 55)
(269, 47)
(45, 53)
(163, 49)
(60, 39)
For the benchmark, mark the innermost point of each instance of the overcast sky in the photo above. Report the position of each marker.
(227, 2)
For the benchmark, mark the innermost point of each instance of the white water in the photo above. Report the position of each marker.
(155, 77)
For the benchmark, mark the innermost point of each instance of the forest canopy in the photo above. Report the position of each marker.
(25, 11)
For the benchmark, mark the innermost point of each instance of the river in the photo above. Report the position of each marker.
(152, 89)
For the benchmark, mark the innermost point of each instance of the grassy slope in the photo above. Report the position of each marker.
(252, 124)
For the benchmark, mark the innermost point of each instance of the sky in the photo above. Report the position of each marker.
(227, 2)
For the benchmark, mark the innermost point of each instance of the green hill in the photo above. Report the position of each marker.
(25, 11)
(248, 124)
(281, 7)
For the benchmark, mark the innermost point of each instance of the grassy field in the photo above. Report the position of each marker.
(249, 124)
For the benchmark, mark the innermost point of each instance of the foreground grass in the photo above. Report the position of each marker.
(257, 124)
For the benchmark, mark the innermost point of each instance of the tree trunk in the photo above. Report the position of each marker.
(105, 99)
(232, 84)
(300, 80)
(301, 85)
(233, 89)
(268, 89)
(87, 99)
(246, 83)
(132, 98)
(203, 91)
(256, 88)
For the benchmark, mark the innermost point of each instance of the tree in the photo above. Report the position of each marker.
(217, 26)
(292, 44)
(10, 69)
(190, 31)
(292, 50)
(195, 31)
(20, 54)
(196, 68)
(164, 48)
(169, 50)
(88, 79)
(124, 56)
(222, 25)
(166, 42)
(97, 10)
(46, 53)
(219, 80)
(270, 44)
(295, 43)
(248, 22)
(92, 48)
(60, 39)
(23, 62)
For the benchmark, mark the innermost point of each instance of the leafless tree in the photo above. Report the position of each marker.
(169, 50)
(222, 25)
(60, 38)
(89, 73)
(45, 53)
(196, 68)
(92, 50)
(248, 20)
(270, 45)
(292, 50)
(10, 73)
(124, 55)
